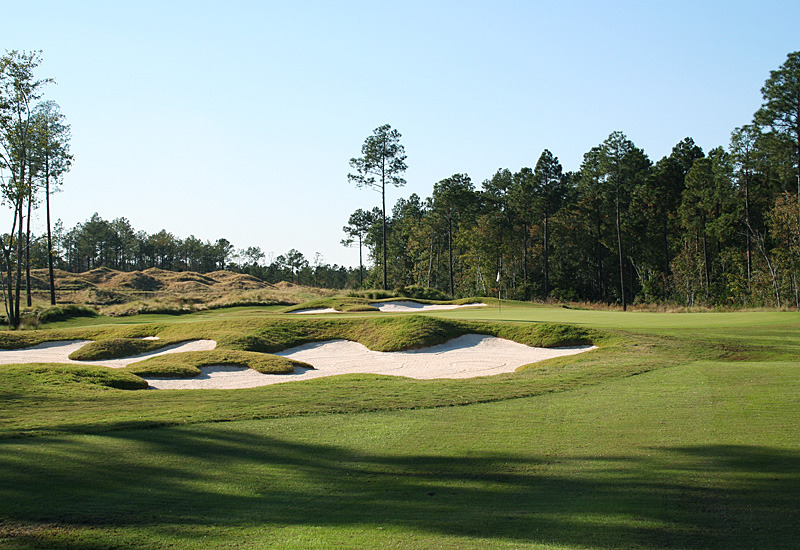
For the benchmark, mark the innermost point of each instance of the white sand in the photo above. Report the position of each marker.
(396, 306)
(58, 352)
(463, 357)
(467, 356)
(407, 305)
(315, 310)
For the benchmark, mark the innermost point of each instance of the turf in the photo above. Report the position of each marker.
(675, 436)
(187, 364)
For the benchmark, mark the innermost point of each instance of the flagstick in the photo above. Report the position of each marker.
(499, 300)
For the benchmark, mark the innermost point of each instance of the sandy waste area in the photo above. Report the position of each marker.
(397, 306)
(467, 356)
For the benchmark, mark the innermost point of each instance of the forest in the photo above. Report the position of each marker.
(118, 245)
(716, 228)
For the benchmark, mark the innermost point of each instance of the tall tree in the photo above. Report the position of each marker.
(52, 150)
(780, 112)
(451, 197)
(497, 195)
(382, 162)
(19, 89)
(294, 261)
(592, 200)
(357, 227)
(549, 189)
(744, 160)
(623, 165)
(658, 199)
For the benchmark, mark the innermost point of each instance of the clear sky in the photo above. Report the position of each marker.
(238, 119)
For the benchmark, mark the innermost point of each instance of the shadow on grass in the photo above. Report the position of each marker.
(184, 482)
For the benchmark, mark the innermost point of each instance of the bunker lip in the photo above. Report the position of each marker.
(410, 305)
(315, 310)
(467, 356)
(394, 306)
(58, 352)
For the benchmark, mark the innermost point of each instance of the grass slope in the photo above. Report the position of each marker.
(698, 456)
(187, 364)
(156, 291)
(674, 436)
(39, 408)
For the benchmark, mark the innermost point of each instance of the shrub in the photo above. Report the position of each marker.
(424, 293)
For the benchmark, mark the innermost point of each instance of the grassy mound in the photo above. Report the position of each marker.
(64, 312)
(117, 348)
(542, 335)
(380, 333)
(272, 334)
(156, 291)
(339, 303)
(67, 378)
(413, 292)
(186, 365)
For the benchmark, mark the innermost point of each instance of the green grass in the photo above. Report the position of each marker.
(679, 432)
(187, 364)
(115, 348)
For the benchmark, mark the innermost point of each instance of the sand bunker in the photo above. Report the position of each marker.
(396, 306)
(463, 357)
(407, 305)
(467, 356)
(58, 352)
(315, 310)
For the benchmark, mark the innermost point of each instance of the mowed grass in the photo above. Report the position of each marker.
(663, 438)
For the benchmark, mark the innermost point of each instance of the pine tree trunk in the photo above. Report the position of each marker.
(18, 289)
(747, 223)
(665, 245)
(383, 204)
(599, 250)
(619, 251)
(525, 233)
(705, 264)
(49, 232)
(546, 257)
(450, 254)
(360, 265)
(28, 251)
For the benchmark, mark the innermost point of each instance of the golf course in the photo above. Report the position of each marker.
(679, 430)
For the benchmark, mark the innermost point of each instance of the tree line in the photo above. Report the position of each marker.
(34, 155)
(715, 228)
(116, 244)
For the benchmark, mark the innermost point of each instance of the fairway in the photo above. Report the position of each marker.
(679, 432)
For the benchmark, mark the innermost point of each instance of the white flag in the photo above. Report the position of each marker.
(498, 276)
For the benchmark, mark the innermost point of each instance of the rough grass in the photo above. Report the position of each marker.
(156, 291)
(187, 364)
(339, 303)
(66, 378)
(64, 312)
(246, 342)
(269, 334)
(116, 348)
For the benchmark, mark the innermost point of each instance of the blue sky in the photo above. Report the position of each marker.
(238, 119)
